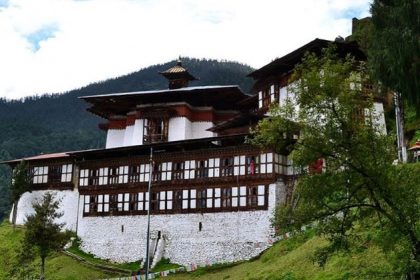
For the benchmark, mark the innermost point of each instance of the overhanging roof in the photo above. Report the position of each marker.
(218, 97)
(286, 63)
(140, 150)
(165, 147)
(41, 157)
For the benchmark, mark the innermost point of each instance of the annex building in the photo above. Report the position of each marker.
(212, 196)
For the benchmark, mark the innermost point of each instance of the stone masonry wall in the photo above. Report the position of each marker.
(225, 236)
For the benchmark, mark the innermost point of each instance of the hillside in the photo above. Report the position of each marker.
(289, 259)
(59, 122)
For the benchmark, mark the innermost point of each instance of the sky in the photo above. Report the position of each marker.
(52, 46)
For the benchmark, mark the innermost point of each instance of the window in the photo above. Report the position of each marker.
(123, 174)
(226, 168)
(103, 203)
(54, 174)
(93, 177)
(189, 169)
(123, 202)
(261, 195)
(178, 170)
(103, 176)
(144, 172)
(84, 177)
(213, 198)
(239, 196)
(266, 163)
(189, 198)
(155, 130)
(166, 171)
(113, 175)
(252, 164)
(201, 198)
(226, 197)
(274, 94)
(134, 174)
(263, 98)
(66, 172)
(165, 200)
(154, 199)
(40, 175)
(202, 169)
(214, 167)
(113, 203)
(252, 196)
(178, 199)
(142, 201)
(157, 172)
(90, 205)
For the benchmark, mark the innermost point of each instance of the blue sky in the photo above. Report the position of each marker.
(42, 34)
(52, 46)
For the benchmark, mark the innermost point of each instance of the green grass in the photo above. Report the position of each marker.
(164, 264)
(289, 259)
(58, 266)
(294, 259)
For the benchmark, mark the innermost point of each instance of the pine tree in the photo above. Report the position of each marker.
(42, 230)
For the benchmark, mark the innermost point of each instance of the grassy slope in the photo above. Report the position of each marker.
(287, 260)
(58, 267)
(294, 259)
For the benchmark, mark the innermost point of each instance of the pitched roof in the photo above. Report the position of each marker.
(218, 97)
(286, 63)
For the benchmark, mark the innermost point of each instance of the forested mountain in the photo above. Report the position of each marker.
(59, 122)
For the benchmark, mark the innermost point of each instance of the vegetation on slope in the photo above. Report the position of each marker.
(58, 266)
(297, 258)
(293, 258)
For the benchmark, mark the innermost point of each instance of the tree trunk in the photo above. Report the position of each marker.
(42, 275)
(14, 214)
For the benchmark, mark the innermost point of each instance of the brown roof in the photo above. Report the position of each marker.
(39, 157)
(287, 63)
(218, 97)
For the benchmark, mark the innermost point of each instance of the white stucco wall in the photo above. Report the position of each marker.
(115, 138)
(68, 206)
(128, 135)
(199, 130)
(225, 236)
(179, 129)
(137, 138)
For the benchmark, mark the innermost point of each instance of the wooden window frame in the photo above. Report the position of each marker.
(178, 170)
(166, 200)
(227, 166)
(40, 175)
(202, 168)
(66, 173)
(113, 175)
(155, 130)
(54, 173)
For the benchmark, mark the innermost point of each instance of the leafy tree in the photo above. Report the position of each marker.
(395, 46)
(358, 186)
(21, 180)
(42, 231)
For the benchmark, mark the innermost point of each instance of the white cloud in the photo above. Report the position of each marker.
(87, 41)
